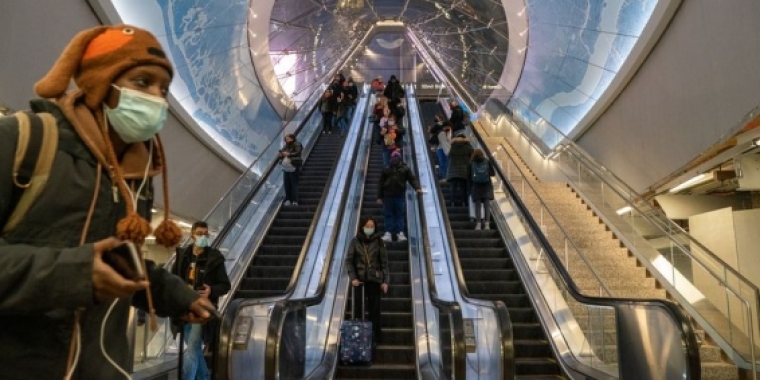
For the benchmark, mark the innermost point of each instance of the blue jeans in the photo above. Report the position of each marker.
(395, 214)
(342, 124)
(194, 365)
(350, 112)
(443, 163)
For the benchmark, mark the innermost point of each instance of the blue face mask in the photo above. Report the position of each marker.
(201, 241)
(369, 231)
(138, 116)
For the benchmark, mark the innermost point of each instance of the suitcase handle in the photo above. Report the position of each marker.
(353, 300)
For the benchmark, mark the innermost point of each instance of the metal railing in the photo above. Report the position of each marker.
(723, 301)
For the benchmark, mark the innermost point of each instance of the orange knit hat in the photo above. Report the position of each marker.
(96, 57)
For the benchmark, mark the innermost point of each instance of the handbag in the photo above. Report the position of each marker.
(287, 165)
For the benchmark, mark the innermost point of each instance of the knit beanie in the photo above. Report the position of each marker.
(96, 57)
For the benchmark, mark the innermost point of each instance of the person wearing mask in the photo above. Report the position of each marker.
(444, 147)
(481, 188)
(367, 266)
(433, 132)
(291, 162)
(203, 270)
(352, 94)
(459, 161)
(457, 117)
(393, 138)
(394, 92)
(390, 194)
(327, 108)
(65, 303)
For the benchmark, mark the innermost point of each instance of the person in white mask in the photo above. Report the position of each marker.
(65, 298)
(202, 268)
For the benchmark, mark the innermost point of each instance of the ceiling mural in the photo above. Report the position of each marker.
(575, 48)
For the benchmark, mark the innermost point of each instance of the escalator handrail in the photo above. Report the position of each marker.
(283, 307)
(687, 331)
(452, 307)
(501, 311)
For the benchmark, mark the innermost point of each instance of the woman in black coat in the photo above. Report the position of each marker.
(367, 265)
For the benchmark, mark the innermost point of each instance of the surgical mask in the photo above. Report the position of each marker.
(391, 122)
(138, 116)
(369, 231)
(201, 241)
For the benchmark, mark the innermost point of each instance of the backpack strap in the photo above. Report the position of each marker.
(35, 152)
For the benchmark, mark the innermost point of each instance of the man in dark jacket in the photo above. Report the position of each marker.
(203, 270)
(57, 293)
(390, 194)
(394, 92)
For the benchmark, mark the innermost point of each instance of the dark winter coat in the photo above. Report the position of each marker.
(46, 274)
(457, 118)
(294, 150)
(481, 190)
(367, 260)
(393, 181)
(459, 158)
(393, 91)
(211, 270)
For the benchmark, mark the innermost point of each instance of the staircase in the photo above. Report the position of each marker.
(617, 267)
(394, 357)
(272, 266)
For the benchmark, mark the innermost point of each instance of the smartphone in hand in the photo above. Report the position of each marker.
(126, 260)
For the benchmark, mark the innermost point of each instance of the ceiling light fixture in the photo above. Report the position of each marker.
(624, 210)
(756, 141)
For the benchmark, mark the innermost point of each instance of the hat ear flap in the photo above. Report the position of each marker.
(56, 81)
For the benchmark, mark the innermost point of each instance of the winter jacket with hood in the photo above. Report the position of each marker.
(367, 260)
(46, 275)
(459, 158)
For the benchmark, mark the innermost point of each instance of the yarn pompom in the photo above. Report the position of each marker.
(133, 228)
(168, 234)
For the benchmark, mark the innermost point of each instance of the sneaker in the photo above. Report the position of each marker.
(477, 226)
(295, 203)
(387, 237)
(287, 203)
(400, 237)
(487, 227)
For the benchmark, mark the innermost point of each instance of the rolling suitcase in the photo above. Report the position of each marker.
(356, 336)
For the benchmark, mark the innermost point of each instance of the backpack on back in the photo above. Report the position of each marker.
(35, 152)
(480, 172)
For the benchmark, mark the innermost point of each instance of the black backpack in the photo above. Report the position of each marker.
(480, 172)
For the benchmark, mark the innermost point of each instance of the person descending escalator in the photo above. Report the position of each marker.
(390, 194)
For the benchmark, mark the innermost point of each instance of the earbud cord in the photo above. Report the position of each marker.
(136, 194)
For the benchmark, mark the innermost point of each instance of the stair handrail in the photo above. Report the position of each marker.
(687, 333)
(451, 307)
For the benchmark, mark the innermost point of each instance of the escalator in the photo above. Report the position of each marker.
(489, 274)
(395, 355)
(271, 270)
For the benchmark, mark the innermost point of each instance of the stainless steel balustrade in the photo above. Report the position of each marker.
(152, 357)
(485, 362)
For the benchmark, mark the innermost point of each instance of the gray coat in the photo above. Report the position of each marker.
(47, 275)
(459, 158)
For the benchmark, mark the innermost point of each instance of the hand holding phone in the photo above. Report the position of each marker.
(125, 260)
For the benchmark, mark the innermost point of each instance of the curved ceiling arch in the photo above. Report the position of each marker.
(573, 50)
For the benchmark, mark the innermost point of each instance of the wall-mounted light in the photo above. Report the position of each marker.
(624, 210)
(756, 141)
(704, 177)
